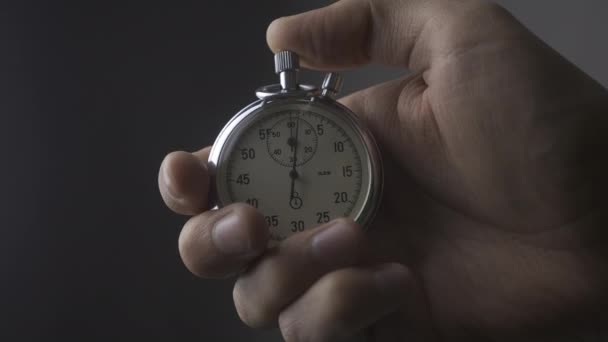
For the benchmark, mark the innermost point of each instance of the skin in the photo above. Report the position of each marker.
(493, 222)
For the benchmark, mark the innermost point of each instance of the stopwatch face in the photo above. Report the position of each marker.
(300, 163)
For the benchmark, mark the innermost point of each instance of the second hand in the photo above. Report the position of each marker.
(293, 174)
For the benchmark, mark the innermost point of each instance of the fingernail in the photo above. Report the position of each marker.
(229, 237)
(336, 245)
(391, 278)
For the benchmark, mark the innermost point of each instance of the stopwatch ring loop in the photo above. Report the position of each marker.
(276, 91)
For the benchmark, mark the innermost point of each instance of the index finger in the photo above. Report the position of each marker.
(408, 33)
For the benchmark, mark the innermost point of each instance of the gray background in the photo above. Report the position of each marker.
(93, 95)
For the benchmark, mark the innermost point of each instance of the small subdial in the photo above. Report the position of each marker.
(290, 140)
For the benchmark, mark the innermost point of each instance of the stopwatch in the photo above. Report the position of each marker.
(298, 156)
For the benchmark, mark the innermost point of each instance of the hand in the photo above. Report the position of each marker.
(492, 223)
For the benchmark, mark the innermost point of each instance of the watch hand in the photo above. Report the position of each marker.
(293, 183)
(291, 138)
(295, 144)
(293, 174)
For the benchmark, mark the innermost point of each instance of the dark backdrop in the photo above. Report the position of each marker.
(93, 94)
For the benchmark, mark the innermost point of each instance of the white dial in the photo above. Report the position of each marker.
(301, 164)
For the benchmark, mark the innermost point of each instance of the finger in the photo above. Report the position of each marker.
(220, 243)
(203, 154)
(345, 302)
(183, 181)
(379, 106)
(401, 119)
(281, 276)
(349, 33)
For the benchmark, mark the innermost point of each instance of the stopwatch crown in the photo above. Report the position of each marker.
(286, 61)
(287, 64)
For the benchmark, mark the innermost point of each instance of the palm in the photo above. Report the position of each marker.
(459, 207)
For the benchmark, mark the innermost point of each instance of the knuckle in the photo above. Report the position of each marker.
(490, 7)
(173, 203)
(336, 287)
(315, 40)
(322, 34)
(253, 225)
(252, 310)
(338, 294)
(290, 326)
(482, 11)
(319, 40)
(258, 304)
(353, 228)
(171, 158)
(250, 215)
(191, 239)
(245, 212)
(491, 11)
(169, 167)
(178, 175)
(325, 314)
(240, 305)
(346, 221)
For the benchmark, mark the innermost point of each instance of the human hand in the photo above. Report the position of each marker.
(491, 223)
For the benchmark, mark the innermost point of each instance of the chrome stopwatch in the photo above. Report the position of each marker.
(298, 156)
